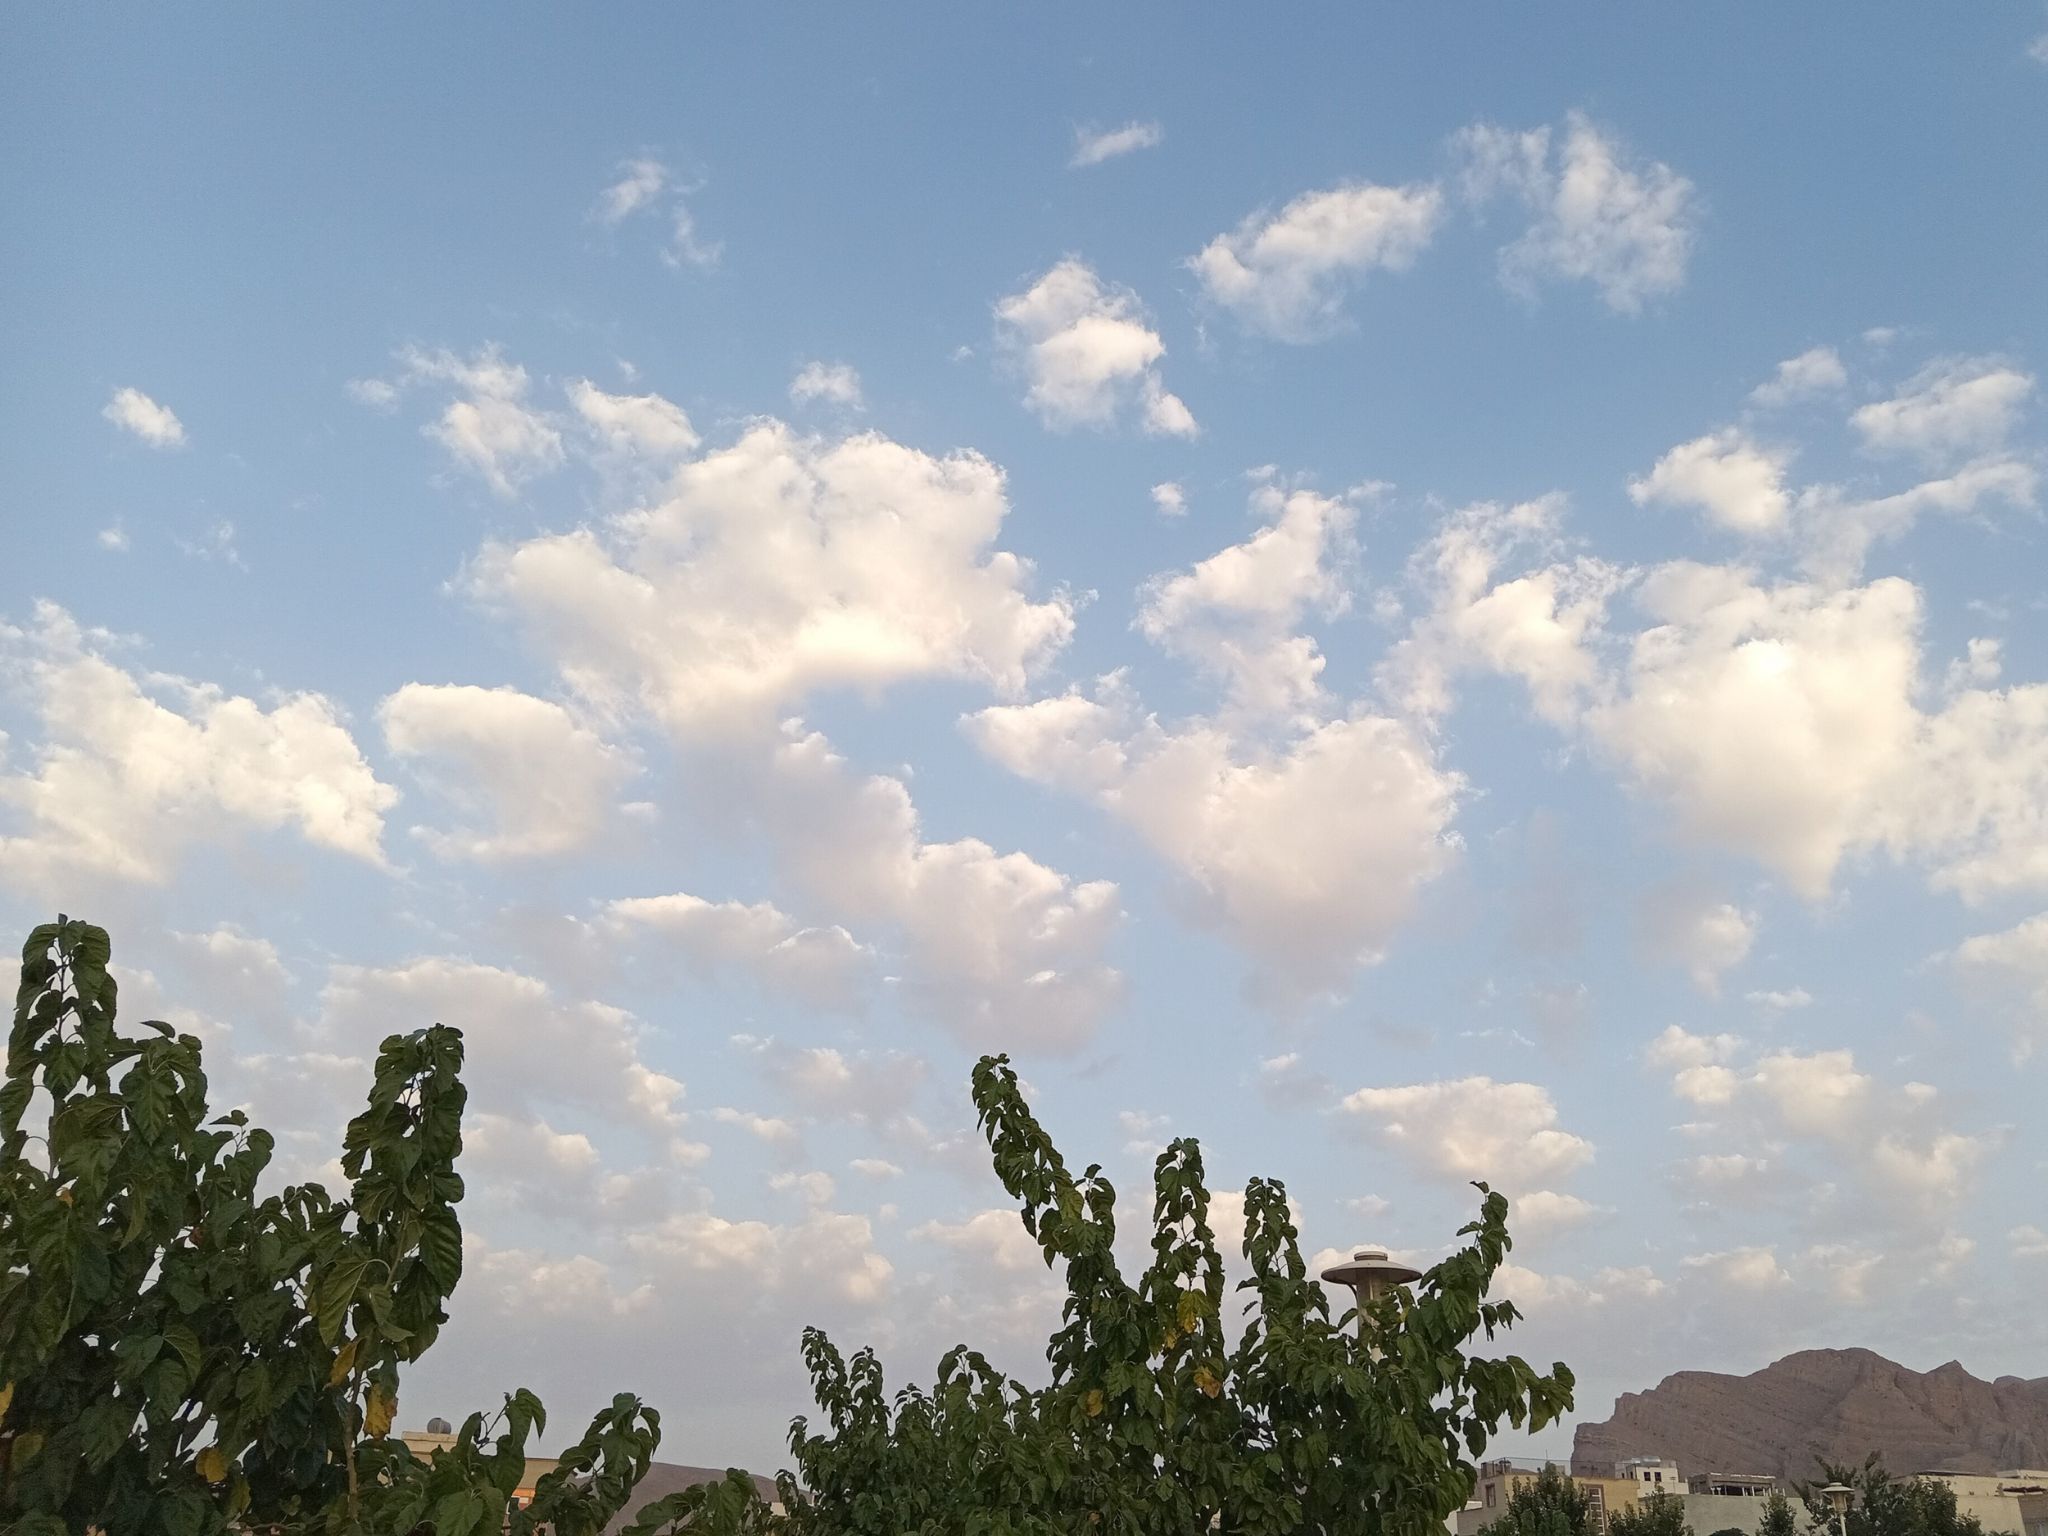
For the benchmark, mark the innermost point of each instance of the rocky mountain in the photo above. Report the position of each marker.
(1840, 1404)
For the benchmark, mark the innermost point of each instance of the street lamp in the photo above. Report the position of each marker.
(1838, 1496)
(1370, 1274)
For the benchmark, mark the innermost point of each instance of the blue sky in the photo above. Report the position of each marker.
(1416, 597)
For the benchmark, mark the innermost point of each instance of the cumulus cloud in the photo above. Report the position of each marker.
(645, 185)
(544, 784)
(1817, 371)
(1089, 354)
(1540, 627)
(647, 426)
(1600, 215)
(823, 966)
(836, 382)
(491, 428)
(1951, 409)
(1474, 1128)
(1304, 837)
(2012, 964)
(1685, 926)
(1093, 146)
(1910, 1171)
(1286, 275)
(1169, 499)
(134, 412)
(777, 566)
(1737, 484)
(997, 946)
(526, 1045)
(132, 769)
(1236, 612)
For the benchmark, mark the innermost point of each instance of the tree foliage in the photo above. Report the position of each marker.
(1549, 1504)
(1661, 1514)
(1884, 1505)
(1155, 1419)
(182, 1353)
(1779, 1517)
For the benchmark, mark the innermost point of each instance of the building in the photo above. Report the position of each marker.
(2002, 1501)
(1500, 1479)
(1653, 1474)
(1738, 1485)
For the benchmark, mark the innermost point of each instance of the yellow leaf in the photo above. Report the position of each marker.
(212, 1464)
(6, 1400)
(1206, 1380)
(1092, 1404)
(378, 1410)
(344, 1362)
(1190, 1310)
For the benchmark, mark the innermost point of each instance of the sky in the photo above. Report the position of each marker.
(1419, 596)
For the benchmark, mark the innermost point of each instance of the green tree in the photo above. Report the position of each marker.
(1887, 1506)
(1155, 1420)
(1778, 1517)
(182, 1353)
(1661, 1514)
(1549, 1504)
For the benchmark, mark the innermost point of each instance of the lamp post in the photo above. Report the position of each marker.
(1838, 1496)
(1370, 1274)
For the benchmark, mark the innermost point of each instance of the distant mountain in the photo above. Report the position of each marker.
(1840, 1404)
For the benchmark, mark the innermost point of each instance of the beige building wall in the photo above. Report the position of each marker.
(1995, 1498)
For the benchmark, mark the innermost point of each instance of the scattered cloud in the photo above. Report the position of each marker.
(834, 382)
(647, 185)
(1089, 354)
(1740, 486)
(1602, 216)
(1475, 1128)
(1093, 146)
(134, 768)
(543, 784)
(1286, 275)
(1169, 499)
(1951, 409)
(135, 413)
(1817, 371)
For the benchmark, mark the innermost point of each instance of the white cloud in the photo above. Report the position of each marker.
(114, 538)
(2037, 50)
(993, 1239)
(545, 784)
(875, 1168)
(1308, 856)
(1687, 927)
(1750, 1269)
(2013, 962)
(157, 425)
(490, 428)
(1089, 353)
(1817, 371)
(1475, 1128)
(131, 769)
(997, 946)
(641, 182)
(2028, 1242)
(1780, 1000)
(779, 566)
(1739, 485)
(1625, 226)
(1286, 276)
(1235, 612)
(773, 1129)
(1543, 1213)
(526, 1049)
(1540, 627)
(836, 382)
(644, 425)
(1169, 499)
(829, 1084)
(823, 966)
(1093, 146)
(828, 1253)
(1952, 408)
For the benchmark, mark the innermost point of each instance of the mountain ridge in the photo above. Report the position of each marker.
(1825, 1404)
